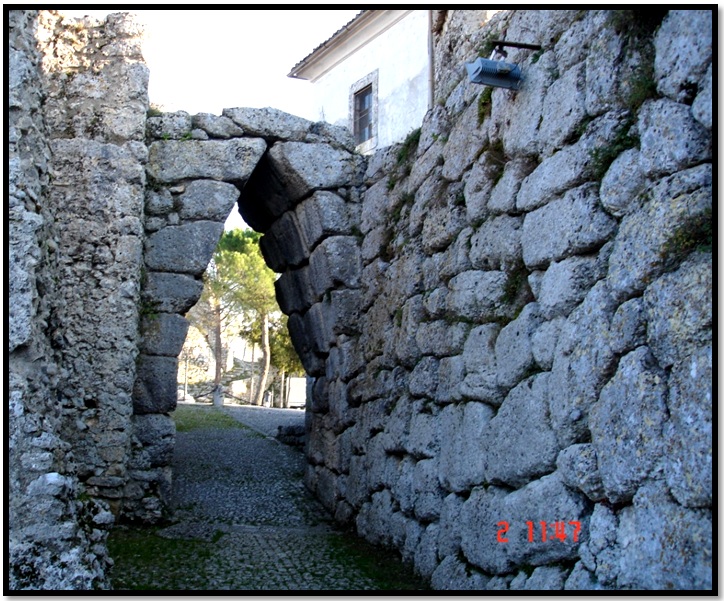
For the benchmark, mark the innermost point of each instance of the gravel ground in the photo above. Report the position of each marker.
(244, 521)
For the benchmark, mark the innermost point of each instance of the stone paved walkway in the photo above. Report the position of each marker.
(244, 521)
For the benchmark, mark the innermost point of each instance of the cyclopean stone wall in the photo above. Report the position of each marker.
(505, 320)
(520, 329)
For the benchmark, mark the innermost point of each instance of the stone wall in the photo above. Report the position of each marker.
(505, 319)
(530, 337)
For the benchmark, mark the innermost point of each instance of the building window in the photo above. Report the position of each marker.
(363, 115)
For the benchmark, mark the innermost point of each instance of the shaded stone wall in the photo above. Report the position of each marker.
(533, 341)
(507, 319)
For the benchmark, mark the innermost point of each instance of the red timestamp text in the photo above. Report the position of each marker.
(544, 531)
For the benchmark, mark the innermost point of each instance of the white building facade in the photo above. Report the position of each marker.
(374, 76)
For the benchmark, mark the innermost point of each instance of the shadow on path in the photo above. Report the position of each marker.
(242, 519)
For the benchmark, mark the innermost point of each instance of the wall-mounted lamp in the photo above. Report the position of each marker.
(498, 74)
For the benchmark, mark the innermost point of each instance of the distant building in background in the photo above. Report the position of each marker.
(374, 76)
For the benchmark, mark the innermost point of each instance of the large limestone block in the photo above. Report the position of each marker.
(375, 207)
(671, 139)
(269, 123)
(673, 221)
(446, 217)
(208, 200)
(293, 291)
(454, 575)
(169, 126)
(324, 214)
(155, 387)
(303, 168)
(461, 460)
(464, 144)
(574, 224)
(183, 248)
(335, 262)
(302, 341)
(547, 499)
(513, 347)
(448, 539)
(231, 160)
(683, 52)
(689, 446)
(156, 434)
(481, 379)
(566, 283)
(502, 197)
(664, 546)
(678, 308)
(283, 245)
(217, 127)
(171, 292)
(701, 109)
(477, 295)
(622, 183)
(564, 108)
(578, 467)
(626, 424)
(580, 369)
(163, 334)
(519, 443)
(496, 244)
(479, 185)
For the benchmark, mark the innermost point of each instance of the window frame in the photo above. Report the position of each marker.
(369, 81)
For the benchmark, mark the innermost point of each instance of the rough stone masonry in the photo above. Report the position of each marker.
(506, 320)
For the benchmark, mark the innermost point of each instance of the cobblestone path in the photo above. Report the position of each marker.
(244, 521)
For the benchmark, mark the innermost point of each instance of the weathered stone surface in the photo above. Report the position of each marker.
(626, 425)
(688, 435)
(155, 433)
(461, 462)
(569, 167)
(155, 387)
(481, 379)
(578, 468)
(546, 499)
(546, 578)
(678, 310)
(450, 376)
(543, 342)
(477, 295)
(335, 262)
(564, 109)
(519, 444)
(440, 338)
(163, 334)
(324, 214)
(672, 222)
(513, 349)
(424, 378)
(566, 283)
(622, 183)
(171, 292)
(701, 109)
(671, 139)
(207, 200)
(464, 144)
(230, 160)
(572, 225)
(217, 127)
(158, 202)
(479, 185)
(304, 168)
(375, 207)
(683, 52)
(496, 244)
(581, 369)
(283, 245)
(429, 192)
(664, 545)
(269, 123)
(453, 575)
(502, 197)
(169, 126)
(448, 540)
(628, 326)
(444, 220)
(183, 248)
